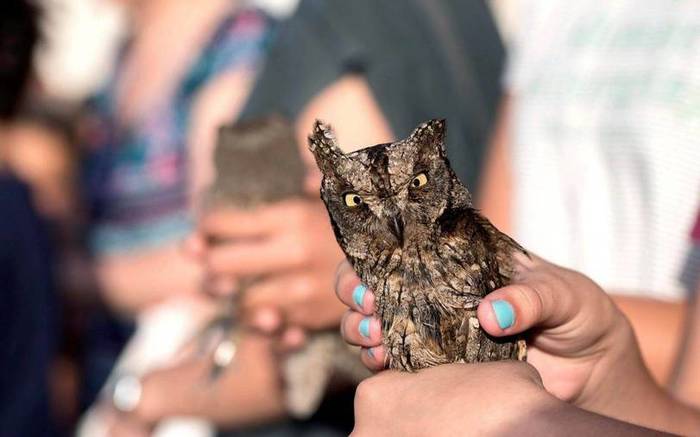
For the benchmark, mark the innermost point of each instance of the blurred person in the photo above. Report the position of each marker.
(184, 70)
(28, 310)
(595, 161)
(160, 107)
(42, 156)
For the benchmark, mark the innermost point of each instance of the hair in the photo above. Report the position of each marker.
(18, 36)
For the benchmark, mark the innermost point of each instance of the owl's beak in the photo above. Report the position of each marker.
(397, 227)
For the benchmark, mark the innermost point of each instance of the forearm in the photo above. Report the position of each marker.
(686, 384)
(247, 393)
(658, 327)
(626, 391)
(559, 418)
(251, 392)
(132, 282)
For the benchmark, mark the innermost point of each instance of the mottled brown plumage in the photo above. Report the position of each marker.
(257, 162)
(408, 227)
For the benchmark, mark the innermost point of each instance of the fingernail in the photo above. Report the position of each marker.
(370, 352)
(358, 294)
(364, 327)
(505, 316)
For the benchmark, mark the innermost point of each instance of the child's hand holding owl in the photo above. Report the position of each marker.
(581, 344)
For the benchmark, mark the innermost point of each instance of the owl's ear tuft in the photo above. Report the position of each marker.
(324, 147)
(431, 134)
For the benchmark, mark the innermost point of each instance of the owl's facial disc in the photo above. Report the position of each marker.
(391, 195)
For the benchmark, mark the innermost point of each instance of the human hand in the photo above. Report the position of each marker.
(247, 392)
(581, 344)
(487, 399)
(290, 246)
(448, 400)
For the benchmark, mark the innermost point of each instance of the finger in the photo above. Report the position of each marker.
(352, 292)
(194, 246)
(220, 285)
(233, 223)
(539, 301)
(361, 330)
(282, 291)
(292, 339)
(266, 319)
(299, 297)
(374, 358)
(257, 258)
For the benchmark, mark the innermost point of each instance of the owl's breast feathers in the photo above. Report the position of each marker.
(427, 291)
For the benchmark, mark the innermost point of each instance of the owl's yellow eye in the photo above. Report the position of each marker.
(419, 180)
(352, 199)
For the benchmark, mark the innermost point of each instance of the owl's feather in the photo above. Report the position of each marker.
(407, 225)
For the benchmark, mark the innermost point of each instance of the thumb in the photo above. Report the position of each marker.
(519, 307)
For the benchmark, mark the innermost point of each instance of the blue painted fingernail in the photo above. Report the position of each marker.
(358, 294)
(505, 316)
(370, 352)
(364, 327)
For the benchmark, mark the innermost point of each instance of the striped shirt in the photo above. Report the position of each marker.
(606, 138)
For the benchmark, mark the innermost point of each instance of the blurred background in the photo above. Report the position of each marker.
(576, 128)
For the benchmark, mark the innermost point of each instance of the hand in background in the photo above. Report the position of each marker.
(247, 393)
(581, 344)
(290, 246)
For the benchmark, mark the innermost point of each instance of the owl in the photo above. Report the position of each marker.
(258, 162)
(408, 227)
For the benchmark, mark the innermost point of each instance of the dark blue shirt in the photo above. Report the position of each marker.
(27, 328)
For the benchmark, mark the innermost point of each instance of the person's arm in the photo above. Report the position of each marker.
(658, 326)
(249, 392)
(495, 190)
(133, 281)
(489, 399)
(686, 383)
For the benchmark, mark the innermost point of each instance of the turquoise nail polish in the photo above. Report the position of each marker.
(364, 327)
(358, 294)
(370, 352)
(504, 313)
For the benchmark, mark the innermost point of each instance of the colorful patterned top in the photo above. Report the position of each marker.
(136, 175)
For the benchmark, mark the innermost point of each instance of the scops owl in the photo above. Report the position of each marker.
(258, 162)
(408, 227)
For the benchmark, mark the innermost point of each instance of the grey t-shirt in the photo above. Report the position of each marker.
(423, 59)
